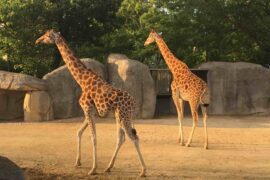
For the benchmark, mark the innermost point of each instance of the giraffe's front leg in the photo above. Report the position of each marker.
(180, 112)
(91, 123)
(90, 117)
(193, 107)
(79, 136)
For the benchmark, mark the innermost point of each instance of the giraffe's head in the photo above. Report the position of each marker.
(153, 36)
(49, 37)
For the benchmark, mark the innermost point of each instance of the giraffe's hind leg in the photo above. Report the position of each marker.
(132, 134)
(125, 122)
(204, 112)
(120, 141)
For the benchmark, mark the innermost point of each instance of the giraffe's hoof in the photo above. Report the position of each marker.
(187, 145)
(181, 143)
(205, 147)
(77, 164)
(142, 174)
(107, 170)
(92, 172)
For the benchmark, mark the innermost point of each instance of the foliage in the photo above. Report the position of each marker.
(196, 31)
(81, 23)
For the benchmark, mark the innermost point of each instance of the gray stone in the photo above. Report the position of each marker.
(9, 170)
(20, 82)
(134, 77)
(64, 90)
(38, 107)
(238, 88)
(11, 104)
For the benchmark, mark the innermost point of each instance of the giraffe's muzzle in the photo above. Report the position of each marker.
(39, 40)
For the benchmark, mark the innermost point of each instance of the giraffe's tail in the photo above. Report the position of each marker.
(135, 110)
(134, 114)
(134, 133)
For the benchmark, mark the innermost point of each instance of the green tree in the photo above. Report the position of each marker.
(19, 25)
(81, 22)
(136, 18)
(196, 31)
(222, 30)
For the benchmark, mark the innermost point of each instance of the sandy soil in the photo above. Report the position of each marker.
(239, 149)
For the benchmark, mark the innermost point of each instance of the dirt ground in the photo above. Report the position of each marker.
(239, 148)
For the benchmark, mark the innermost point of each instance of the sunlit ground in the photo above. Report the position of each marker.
(239, 148)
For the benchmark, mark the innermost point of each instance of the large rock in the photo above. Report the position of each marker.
(134, 77)
(38, 107)
(64, 90)
(9, 170)
(11, 104)
(238, 88)
(20, 82)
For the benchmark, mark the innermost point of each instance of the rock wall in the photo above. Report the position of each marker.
(134, 77)
(235, 88)
(238, 88)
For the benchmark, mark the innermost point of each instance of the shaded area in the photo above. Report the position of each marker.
(37, 174)
(9, 170)
(11, 106)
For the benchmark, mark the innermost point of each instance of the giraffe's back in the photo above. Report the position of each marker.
(189, 85)
(107, 98)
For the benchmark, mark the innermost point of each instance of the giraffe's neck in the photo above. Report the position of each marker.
(168, 56)
(75, 65)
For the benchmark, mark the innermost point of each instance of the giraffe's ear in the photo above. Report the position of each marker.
(160, 33)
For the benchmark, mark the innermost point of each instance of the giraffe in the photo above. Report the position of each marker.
(98, 98)
(185, 86)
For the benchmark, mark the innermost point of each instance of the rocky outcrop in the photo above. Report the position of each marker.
(38, 107)
(134, 77)
(238, 88)
(20, 82)
(64, 90)
(13, 87)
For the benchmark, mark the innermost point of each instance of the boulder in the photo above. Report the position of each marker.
(64, 90)
(11, 104)
(134, 77)
(37, 106)
(238, 88)
(9, 170)
(20, 82)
